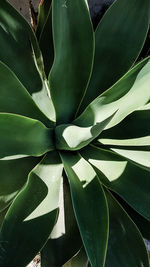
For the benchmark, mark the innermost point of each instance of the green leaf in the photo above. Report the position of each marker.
(23, 136)
(125, 246)
(43, 12)
(133, 131)
(2, 215)
(128, 94)
(19, 50)
(140, 157)
(74, 137)
(142, 224)
(89, 205)
(79, 259)
(31, 217)
(73, 60)
(65, 240)
(44, 32)
(115, 35)
(122, 176)
(13, 176)
(13, 93)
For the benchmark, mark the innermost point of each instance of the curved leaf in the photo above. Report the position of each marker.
(65, 240)
(142, 223)
(15, 99)
(80, 259)
(130, 181)
(13, 176)
(23, 136)
(44, 32)
(128, 94)
(74, 137)
(31, 218)
(115, 35)
(43, 12)
(73, 56)
(19, 50)
(133, 131)
(2, 216)
(89, 205)
(125, 246)
(140, 157)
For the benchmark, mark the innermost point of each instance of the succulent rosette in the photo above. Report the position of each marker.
(74, 136)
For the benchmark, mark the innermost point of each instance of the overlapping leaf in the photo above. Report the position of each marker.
(133, 131)
(128, 94)
(115, 35)
(89, 205)
(19, 50)
(73, 59)
(44, 34)
(23, 136)
(142, 223)
(74, 136)
(129, 180)
(13, 176)
(65, 240)
(80, 259)
(126, 246)
(43, 13)
(32, 216)
(13, 93)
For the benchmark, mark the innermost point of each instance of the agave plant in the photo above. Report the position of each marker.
(74, 136)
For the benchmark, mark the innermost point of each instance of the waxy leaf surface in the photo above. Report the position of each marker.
(13, 176)
(125, 246)
(65, 240)
(119, 38)
(89, 205)
(122, 176)
(133, 131)
(80, 259)
(73, 60)
(13, 93)
(44, 34)
(74, 137)
(23, 136)
(31, 218)
(19, 50)
(128, 94)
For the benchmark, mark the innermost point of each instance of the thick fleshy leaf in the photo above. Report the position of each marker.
(15, 99)
(128, 94)
(115, 35)
(13, 176)
(75, 136)
(32, 216)
(74, 50)
(125, 246)
(133, 131)
(23, 136)
(18, 47)
(140, 157)
(65, 240)
(45, 36)
(130, 181)
(43, 12)
(89, 205)
(19, 50)
(142, 224)
(80, 259)
(2, 216)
